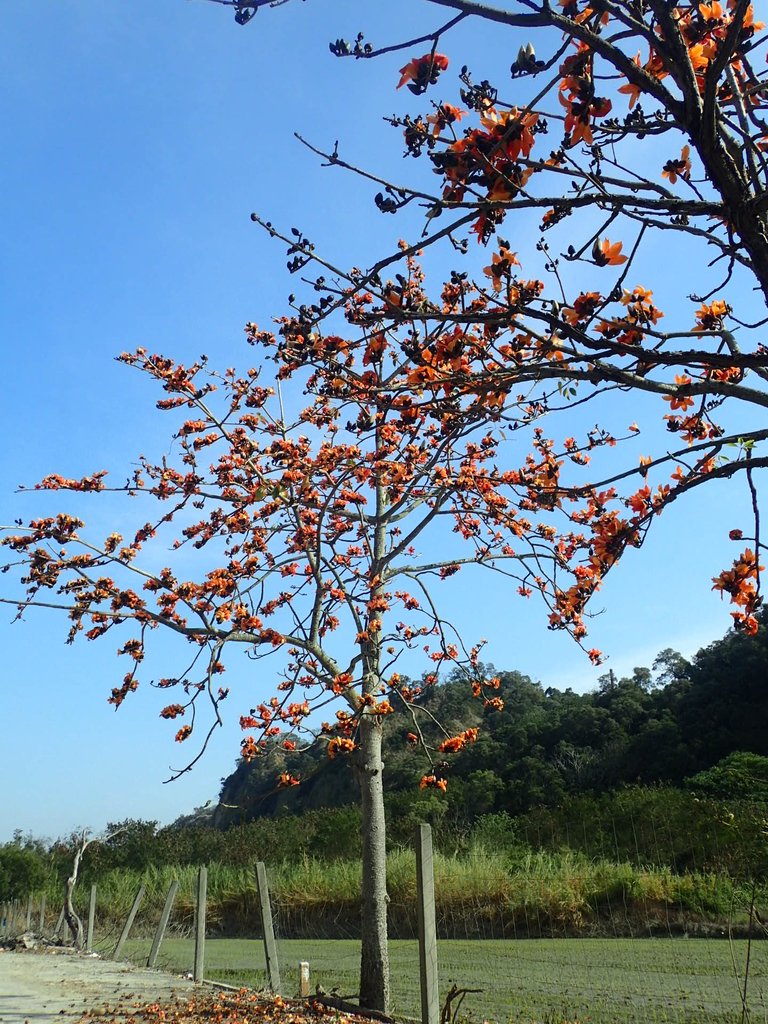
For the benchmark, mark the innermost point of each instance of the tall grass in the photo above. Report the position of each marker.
(480, 893)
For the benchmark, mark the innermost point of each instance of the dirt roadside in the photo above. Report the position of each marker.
(40, 988)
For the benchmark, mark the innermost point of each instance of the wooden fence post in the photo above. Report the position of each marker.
(91, 918)
(270, 948)
(41, 927)
(59, 923)
(202, 895)
(425, 900)
(163, 924)
(28, 923)
(128, 924)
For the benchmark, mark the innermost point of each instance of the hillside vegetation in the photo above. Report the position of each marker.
(659, 726)
(636, 809)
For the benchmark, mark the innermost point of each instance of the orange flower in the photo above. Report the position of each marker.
(631, 90)
(710, 317)
(422, 71)
(445, 114)
(500, 264)
(737, 582)
(746, 623)
(172, 711)
(513, 128)
(607, 254)
(183, 733)
(432, 782)
(700, 55)
(749, 19)
(653, 67)
(679, 401)
(249, 749)
(340, 746)
(639, 501)
(673, 169)
(285, 779)
(450, 746)
(583, 307)
(711, 12)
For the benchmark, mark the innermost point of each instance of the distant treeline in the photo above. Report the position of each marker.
(659, 725)
(639, 861)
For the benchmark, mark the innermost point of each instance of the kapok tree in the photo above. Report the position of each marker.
(429, 418)
(315, 536)
(627, 126)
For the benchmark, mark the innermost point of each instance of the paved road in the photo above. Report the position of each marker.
(40, 988)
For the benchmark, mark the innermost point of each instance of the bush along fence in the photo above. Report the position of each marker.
(25, 917)
(222, 925)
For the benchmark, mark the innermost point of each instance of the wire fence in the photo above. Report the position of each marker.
(541, 931)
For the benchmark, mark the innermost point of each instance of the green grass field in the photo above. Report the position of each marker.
(600, 981)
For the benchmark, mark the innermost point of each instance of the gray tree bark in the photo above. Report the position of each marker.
(374, 960)
(74, 923)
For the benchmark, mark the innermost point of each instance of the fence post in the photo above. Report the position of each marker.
(129, 923)
(425, 900)
(28, 924)
(202, 895)
(91, 918)
(41, 928)
(303, 978)
(59, 923)
(163, 924)
(270, 948)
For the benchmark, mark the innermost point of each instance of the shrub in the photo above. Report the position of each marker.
(22, 872)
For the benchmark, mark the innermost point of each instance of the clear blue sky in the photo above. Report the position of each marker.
(139, 136)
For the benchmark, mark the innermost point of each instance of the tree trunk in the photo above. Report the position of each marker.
(74, 923)
(374, 961)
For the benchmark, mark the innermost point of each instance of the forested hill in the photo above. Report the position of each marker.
(660, 725)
